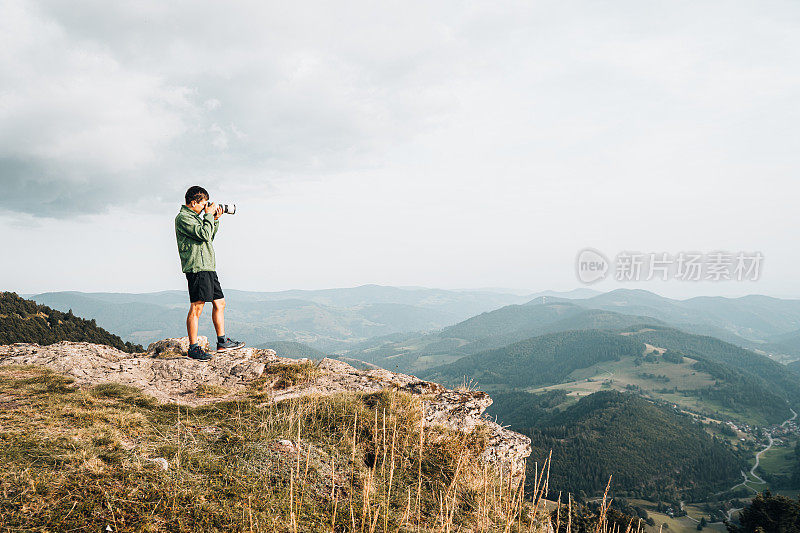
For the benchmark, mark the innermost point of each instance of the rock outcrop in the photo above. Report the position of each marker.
(165, 373)
(167, 348)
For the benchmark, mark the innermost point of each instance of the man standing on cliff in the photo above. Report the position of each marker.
(195, 233)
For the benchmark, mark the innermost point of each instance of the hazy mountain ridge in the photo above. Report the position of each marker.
(328, 319)
(342, 320)
(755, 319)
(493, 329)
(616, 309)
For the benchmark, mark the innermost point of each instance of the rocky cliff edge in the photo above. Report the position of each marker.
(165, 373)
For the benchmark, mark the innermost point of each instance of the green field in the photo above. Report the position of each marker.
(427, 361)
(778, 459)
(657, 380)
(649, 376)
(683, 524)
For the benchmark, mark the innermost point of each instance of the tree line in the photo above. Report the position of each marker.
(24, 320)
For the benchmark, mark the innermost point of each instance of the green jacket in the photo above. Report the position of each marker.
(195, 234)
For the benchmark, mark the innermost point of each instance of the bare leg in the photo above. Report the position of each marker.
(218, 316)
(195, 309)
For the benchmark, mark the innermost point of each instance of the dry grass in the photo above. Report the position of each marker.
(81, 460)
(279, 376)
(211, 391)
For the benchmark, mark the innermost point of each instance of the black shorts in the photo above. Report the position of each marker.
(204, 286)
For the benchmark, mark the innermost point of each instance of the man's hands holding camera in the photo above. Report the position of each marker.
(211, 207)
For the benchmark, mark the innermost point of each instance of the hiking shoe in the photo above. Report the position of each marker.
(229, 345)
(196, 352)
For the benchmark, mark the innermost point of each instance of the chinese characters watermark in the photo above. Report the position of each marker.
(592, 266)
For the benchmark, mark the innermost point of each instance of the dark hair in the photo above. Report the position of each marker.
(196, 194)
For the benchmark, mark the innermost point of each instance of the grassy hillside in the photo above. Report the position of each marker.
(24, 321)
(541, 360)
(682, 384)
(650, 451)
(749, 372)
(84, 459)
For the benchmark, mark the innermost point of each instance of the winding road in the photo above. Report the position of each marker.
(758, 459)
(758, 455)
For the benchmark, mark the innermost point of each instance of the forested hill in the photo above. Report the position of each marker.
(539, 361)
(510, 319)
(24, 321)
(413, 353)
(651, 451)
(772, 375)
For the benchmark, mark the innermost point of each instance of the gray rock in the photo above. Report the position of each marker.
(174, 347)
(175, 378)
(161, 462)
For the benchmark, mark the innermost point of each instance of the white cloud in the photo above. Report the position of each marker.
(511, 123)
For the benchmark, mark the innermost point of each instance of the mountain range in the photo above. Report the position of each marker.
(328, 320)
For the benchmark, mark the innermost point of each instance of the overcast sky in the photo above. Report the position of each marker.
(446, 144)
